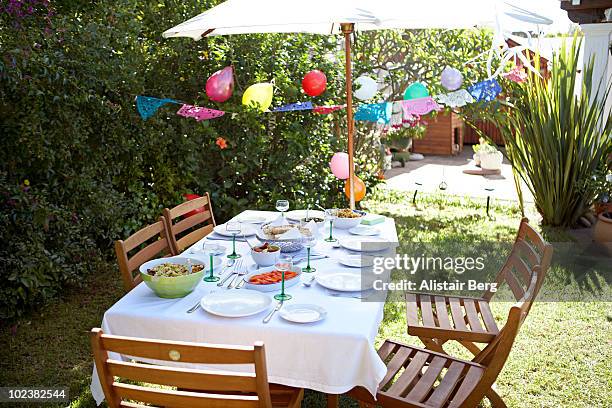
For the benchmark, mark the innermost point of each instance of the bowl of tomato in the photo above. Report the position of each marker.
(269, 279)
(266, 254)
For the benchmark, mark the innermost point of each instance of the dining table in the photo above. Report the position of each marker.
(331, 356)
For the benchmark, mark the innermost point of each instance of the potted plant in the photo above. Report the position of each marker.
(400, 140)
(601, 183)
(487, 156)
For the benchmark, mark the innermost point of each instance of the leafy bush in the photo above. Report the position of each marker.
(97, 172)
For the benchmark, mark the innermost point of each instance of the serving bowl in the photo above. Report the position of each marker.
(266, 258)
(348, 223)
(271, 287)
(176, 286)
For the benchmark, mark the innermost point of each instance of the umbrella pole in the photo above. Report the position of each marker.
(347, 30)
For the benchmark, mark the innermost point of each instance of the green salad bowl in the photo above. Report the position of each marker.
(172, 287)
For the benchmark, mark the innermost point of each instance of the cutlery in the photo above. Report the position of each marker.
(229, 275)
(308, 282)
(230, 263)
(312, 258)
(276, 309)
(241, 270)
(337, 294)
(223, 239)
(194, 308)
(197, 305)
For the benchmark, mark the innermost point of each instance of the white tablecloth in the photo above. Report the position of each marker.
(330, 356)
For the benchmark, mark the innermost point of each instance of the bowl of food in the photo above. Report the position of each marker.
(288, 237)
(173, 277)
(269, 279)
(266, 254)
(347, 218)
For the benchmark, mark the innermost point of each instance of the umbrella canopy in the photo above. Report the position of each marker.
(324, 16)
(346, 16)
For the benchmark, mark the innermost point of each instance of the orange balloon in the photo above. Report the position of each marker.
(358, 185)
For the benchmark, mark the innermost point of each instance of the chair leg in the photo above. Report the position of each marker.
(432, 344)
(472, 348)
(495, 399)
(332, 400)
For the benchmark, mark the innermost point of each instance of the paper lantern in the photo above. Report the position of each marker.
(260, 93)
(451, 78)
(359, 186)
(220, 85)
(314, 83)
(367, 87)
(416, 90)
(339, 165)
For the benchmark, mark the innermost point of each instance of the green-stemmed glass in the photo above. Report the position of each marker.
(284, 264)
(211, 277)
(309, 241)
(233, 228)
(330, 214)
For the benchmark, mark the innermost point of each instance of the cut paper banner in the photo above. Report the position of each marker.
(199, 113)
(486, 90)
(325, 110)
(397, 115)
(374, 112)
(294, 107)
(517, 74)
(455, 99)
(147, 105)
(420, 106)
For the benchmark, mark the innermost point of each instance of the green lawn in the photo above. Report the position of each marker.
(562, 356)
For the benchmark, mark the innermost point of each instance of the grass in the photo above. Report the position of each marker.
(562, 356)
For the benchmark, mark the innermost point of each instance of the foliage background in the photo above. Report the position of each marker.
(79, 168)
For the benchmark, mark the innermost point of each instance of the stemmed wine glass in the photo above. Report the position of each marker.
(330, 215)
(282, 206)
(309, 241)
(211, 258)
(284, 264)
(233, 228)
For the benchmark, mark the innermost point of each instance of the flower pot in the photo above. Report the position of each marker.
(603, 229)
(476, 158)
(491, 161)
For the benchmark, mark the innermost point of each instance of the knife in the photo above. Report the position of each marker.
(276, 309)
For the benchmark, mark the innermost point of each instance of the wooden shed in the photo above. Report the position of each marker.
(444, 135)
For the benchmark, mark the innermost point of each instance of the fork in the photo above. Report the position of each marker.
(240, 271)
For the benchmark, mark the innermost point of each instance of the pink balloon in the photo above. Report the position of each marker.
(340, 165)
(220, 85)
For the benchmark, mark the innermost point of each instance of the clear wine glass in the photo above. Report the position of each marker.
(233, 228)
(330, 215)
(284, 264)
(282, 206)
(309, 241)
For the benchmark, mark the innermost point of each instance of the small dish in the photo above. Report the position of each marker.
(357, 261)
(364, 230)
(303, 313)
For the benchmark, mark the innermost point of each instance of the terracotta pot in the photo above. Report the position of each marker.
(603, 229)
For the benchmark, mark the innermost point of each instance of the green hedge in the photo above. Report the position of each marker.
(79, 168)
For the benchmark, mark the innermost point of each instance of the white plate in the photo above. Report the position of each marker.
(251, 219)
(364, 230)
(235, 303)
(297, 215)
(247, 230)
(340, 281)
(302, 313)
(370, 244)
(357, 261)
(198, 249)
(272, 287)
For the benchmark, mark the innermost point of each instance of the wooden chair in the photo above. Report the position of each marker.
(127, 264)
(196, 388)
(419, 377)
(469, 320)
(186, 232)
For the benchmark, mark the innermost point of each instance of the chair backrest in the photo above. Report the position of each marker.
(495, 354)
(188, 229)
(157, 234)
(195, 387)
(530, 254)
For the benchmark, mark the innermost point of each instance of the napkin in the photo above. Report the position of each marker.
(312, 227)
(372, 219)
(293, 233)
(279, 221)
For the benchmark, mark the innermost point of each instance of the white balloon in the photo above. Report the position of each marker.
(367, 87)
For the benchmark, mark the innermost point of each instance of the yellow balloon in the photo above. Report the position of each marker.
(258, 94)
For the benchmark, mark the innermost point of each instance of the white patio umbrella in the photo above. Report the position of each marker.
(346, 16)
